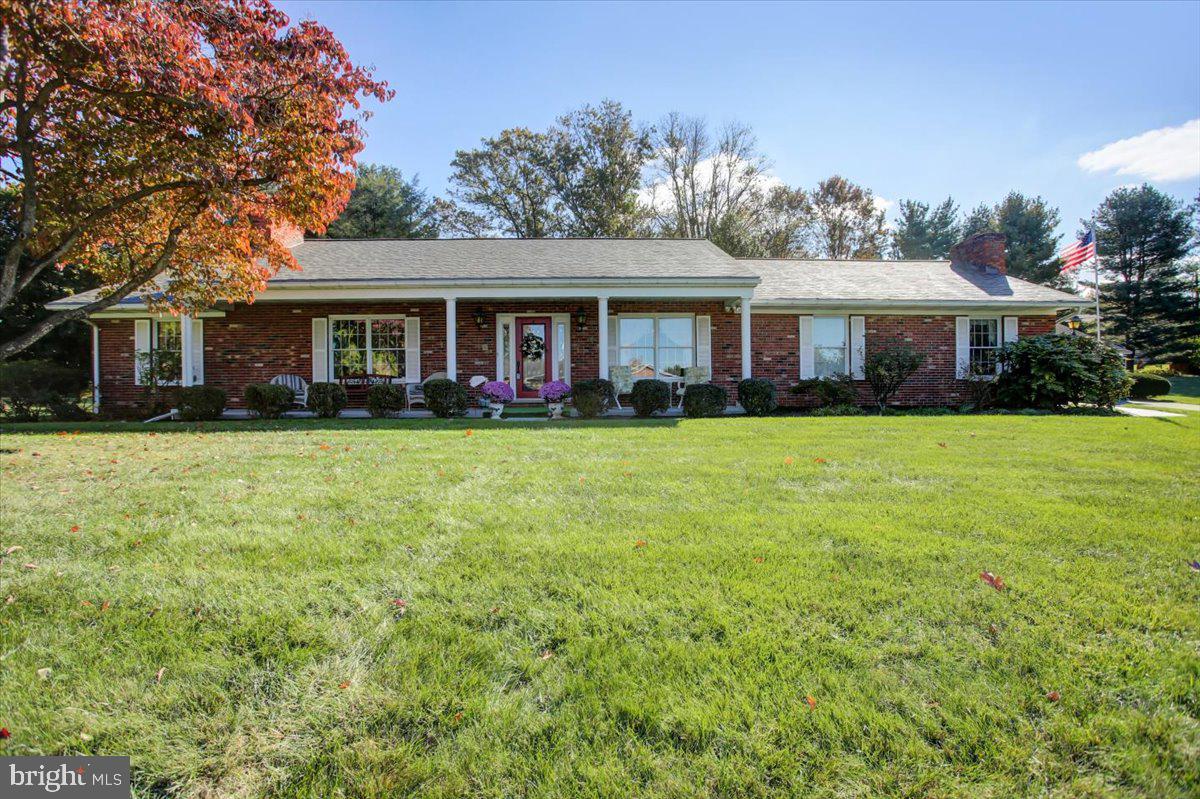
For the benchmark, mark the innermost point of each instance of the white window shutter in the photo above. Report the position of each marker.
(704, 342)
(962, 346)
(612, 343)
(197, 352)
(858, 346)
(141, 346)
(1010, 329)
(807, 368)
(412, 348)
(320, 349)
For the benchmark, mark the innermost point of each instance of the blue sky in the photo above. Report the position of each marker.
(911, 100)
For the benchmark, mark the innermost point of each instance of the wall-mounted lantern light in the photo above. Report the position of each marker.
(480, 319)
(580, 318)
(1074, 323)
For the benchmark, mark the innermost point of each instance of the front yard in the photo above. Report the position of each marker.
(732, 607)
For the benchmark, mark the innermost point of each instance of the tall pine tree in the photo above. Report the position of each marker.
(1142, 236)
(1028, 225)
(925, 233)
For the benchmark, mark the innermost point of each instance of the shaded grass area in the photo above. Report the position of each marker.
(1185, 389)
(610, 608)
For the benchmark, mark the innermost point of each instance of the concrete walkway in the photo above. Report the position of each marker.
(1130, 410)
(1164, 405)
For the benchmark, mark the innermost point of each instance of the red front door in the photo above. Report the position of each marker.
(533, 354)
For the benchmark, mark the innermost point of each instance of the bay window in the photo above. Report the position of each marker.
(829, 346)
(368, 345)
(654, 346)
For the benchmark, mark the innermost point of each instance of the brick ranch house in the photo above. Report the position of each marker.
(413, 308)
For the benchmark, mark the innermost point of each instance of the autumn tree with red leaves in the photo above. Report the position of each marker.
(156, 143)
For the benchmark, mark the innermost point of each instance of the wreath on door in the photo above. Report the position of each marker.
(532, 347)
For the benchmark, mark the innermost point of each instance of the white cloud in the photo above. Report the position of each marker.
(1165, 154)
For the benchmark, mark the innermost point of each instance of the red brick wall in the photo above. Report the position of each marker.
(253, 343)
(776, 354)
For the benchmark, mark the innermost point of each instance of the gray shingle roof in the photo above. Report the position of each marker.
(894, 282)
(349, 260)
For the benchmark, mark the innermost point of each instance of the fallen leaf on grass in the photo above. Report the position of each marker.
(10, 599)
(758, 559)
(547, 654)
(469, 432)
(400, 605)
(789, 460)
(458, 716)
(4, 734)
(942, 445)
(1054, 696)
(1195, 564)
(44, 673)
(104, 605)
(820, 460)
(30, 565)
(992, 580)
(12, 549)
(639, 544)
(75, 528)
(812, 703)
(344, 685)
(159, 675)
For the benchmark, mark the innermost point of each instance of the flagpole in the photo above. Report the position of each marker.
(1096, 262)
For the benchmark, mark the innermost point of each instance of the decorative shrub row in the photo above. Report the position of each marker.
(267, 401)
(702, 400)
(650, 396)
(593, 397)
(326, 400)
(757, 396)
(384, 399)
(201, 403)
(445, 398)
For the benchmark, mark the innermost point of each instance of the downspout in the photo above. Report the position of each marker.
(95, 367)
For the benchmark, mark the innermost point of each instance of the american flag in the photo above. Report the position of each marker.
(1078, 252)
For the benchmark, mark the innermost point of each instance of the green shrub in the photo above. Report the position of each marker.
(592, 397)
(65, 409)
(268, 401)
(1052, 371)
(1146, 386)
(837, 390)
(201, 403)
(886, 370)
(384, 399)
(838, 410)
(650, 396)
(757, 396)
(1164, 369)
(704, 399)
(445, 398)
(326, 400)
(28, 385)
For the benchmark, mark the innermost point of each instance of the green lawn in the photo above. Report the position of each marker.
(219, 603)
(1184, 389)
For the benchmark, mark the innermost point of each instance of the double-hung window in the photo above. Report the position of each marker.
(167, 348)
(829, 346)
(368, 345)
(654, 346)
(983, 344)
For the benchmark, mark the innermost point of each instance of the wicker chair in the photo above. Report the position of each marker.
(692, 375)
(298, 386)
(622, 380)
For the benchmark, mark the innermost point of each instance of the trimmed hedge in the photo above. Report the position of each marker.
(650, 396)
(704, 400)
(201, 403)
(445, 398)
(326, 400)
(757, 396)
(29, 384)
(1147, 385)
(837, 390)
(592, 397)
(384, 399)
(268, 401)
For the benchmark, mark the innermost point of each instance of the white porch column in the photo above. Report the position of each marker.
(185, 355)
(602, 338)
(745, 338)
(451, 338)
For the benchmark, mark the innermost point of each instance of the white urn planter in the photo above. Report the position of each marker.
(497, 408)
(556, 409)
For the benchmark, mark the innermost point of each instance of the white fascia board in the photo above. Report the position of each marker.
(509, 291)
(939, 308)
(141, 312)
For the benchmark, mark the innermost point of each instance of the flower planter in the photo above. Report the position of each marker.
(556, 409)
(497, 408)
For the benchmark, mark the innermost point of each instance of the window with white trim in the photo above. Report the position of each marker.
(983, 343)
(367, 345)
(166, 344)
(829, 346)
(655, 346)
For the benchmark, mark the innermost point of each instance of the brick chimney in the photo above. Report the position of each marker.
(984, 251)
